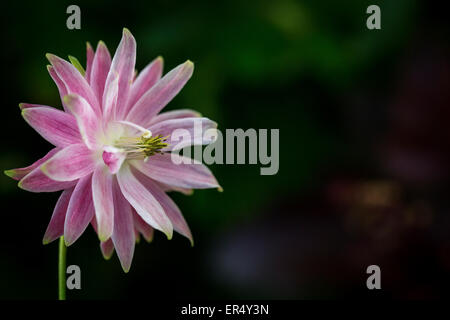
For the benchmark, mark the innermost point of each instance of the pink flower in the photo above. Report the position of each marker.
(112, 150)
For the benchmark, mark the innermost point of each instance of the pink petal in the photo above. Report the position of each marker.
(55, 228)
(170, 208)
(100, 69)
(175, 114)
(88, 122)
(89, 60)
(71, 163)
(113, 158)
(123, 236)
(137, 235)
(60, 84)
(19, 173)
(107, 248)
(122, 64)
(73, 80)
(143, 227)
(166, 188)
(57, 127)
(37, 181)
(110, 97)
(80, 210)
(160, 94)
(23, 106)
(103, 201)
(145, 80)
(143, 201)
(190, 176)
(195, 127)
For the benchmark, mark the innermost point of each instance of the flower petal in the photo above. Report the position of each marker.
(160, 94)
(110, 97)
(59, 83)
(194, 127)
(170, 208)
(123, 236)
(143, 201)
(70, 163)
(145, 80)
(73, 80)
(142, 226)
(37, 181)
(80, 210)
(88, 122)
(89, 60)
(107, 248)
(123, 64)
(55, 228)
(166, 188)
(76, 63)
(100, 69)
(113, 158)
(57, 127)
(160, 167)
(137, 235)
(175, 114)
(19, 173)
(103, 201)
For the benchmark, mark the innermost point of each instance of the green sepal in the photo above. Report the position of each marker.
(77, 65)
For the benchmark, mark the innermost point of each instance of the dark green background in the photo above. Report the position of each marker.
(364, 152)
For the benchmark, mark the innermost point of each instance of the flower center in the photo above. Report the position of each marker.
(129, 141)
(141, 147)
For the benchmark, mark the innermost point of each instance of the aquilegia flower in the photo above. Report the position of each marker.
(112, 150)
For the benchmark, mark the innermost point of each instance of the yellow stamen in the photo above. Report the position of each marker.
(142, 147)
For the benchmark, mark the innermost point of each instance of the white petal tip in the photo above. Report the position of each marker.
(107, 257)
(103, 237)
(126, 269)
(51, 57)
(127, 32)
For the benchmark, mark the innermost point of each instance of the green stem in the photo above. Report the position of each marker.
(62, 269)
